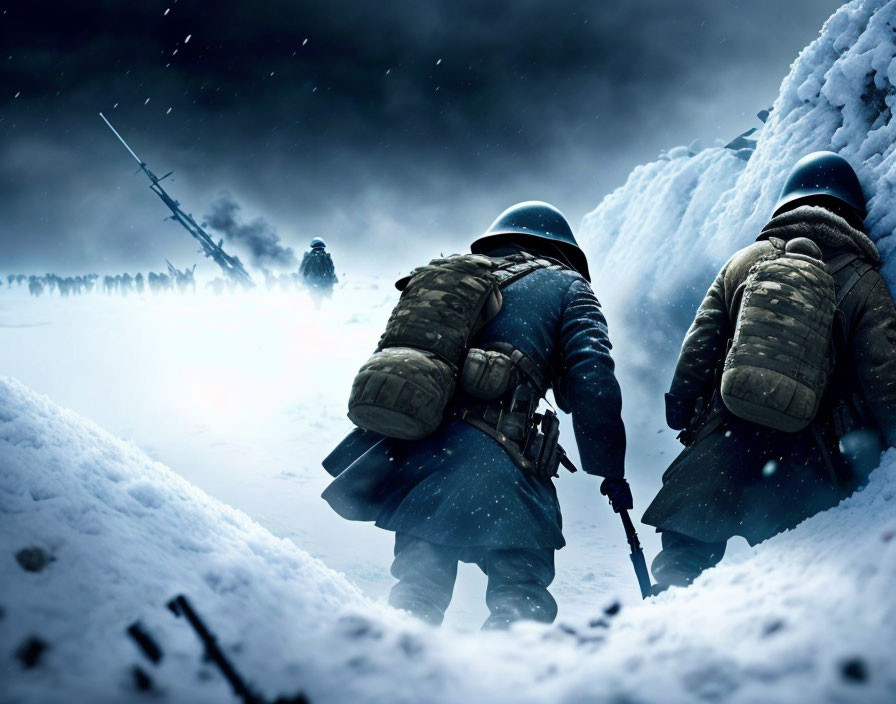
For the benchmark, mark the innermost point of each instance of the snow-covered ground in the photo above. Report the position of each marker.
(242, 395)
(808, 617)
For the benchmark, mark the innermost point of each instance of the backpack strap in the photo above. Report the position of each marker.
(516, 267)
(847, 275)
(841, 261)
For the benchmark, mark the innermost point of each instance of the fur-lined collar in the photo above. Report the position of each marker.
(822, 227)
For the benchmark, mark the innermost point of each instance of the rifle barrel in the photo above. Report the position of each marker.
(637, 555)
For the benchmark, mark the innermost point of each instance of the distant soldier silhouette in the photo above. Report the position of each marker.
(138, 282)
(317, 271)
(785, 387)
(184, 279)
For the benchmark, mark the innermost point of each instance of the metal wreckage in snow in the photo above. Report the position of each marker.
(180, 606)
(231, 265)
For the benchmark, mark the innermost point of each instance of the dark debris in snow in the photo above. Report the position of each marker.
(33, 559)
(854, 670)
(30, 652)
(613, 609)
(142, 680)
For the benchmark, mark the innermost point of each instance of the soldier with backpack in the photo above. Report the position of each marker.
(785, 387)
(317, 271)
(453, 452)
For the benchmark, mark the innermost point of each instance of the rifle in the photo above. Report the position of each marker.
(181, 607)
(230, 265)
(637, 555)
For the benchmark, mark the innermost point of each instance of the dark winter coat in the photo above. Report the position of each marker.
(458, 487)
(317, 268)
(745, 479)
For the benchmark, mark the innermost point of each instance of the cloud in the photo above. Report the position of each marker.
(432, 117)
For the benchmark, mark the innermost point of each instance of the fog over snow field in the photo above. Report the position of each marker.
(238, 398)
(243, 395)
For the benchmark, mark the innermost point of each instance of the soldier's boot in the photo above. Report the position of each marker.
(426, 574)
(683, 559)
(518, 587)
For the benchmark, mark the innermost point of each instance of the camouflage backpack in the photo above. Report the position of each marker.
(780, 358)
(403, 389)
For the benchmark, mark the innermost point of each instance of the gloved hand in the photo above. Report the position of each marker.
(619, 493)
(679, 411)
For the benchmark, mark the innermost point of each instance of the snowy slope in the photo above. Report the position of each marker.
(809, 617)
(656, 242)
(126, 534)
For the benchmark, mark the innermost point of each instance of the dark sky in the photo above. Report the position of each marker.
(394, 130)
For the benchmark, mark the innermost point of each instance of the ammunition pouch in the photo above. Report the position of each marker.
(509, 417)
(487, 374)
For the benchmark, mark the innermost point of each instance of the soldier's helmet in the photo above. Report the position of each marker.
(318, 243)
(536, 222)
(822, 175)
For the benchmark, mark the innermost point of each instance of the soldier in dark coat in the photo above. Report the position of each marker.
(316, 270)
(458, 494)
(739, 478)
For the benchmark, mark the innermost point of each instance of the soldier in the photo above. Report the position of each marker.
(745, 471)
(468, 492)
(317, 270)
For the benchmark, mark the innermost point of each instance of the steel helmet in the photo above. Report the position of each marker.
(823, 174)
(534, 220)
(318, 243)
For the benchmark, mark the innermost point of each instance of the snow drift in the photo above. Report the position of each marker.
(656, 242)
(810, 615)
(807, 616)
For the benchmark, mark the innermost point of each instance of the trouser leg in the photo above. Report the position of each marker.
(426, 574)
(682, 559)
(518, 586)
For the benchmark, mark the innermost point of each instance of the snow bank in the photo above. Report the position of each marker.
(808, 617)
(126, 535)
(657, 241)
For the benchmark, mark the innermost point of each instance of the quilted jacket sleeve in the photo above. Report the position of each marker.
(873, 352)
(704, 344)
(587, 383)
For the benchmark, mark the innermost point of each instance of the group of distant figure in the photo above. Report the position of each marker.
(121, 284)
(51, 283)
(316, 273)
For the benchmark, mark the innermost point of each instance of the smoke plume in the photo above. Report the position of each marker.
(258, 235)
